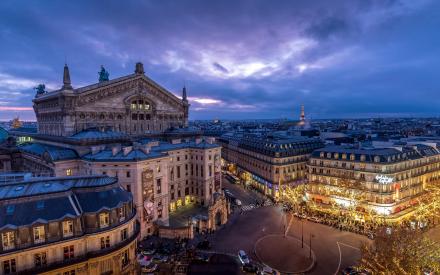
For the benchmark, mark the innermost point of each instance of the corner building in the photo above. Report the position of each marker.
(67, 226)
(387, 182)
(268, 162)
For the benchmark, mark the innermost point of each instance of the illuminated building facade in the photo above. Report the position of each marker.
(125, 128)
(268, 162)
(386, 182)
(70, 225)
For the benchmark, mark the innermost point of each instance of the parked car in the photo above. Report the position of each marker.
(238, 202)
(158, 258)
(351, 270)
(202, 257)
(148, 252)
(267, 271)
(242, 256)
(151, 267)
(250, 267)
(204, 245)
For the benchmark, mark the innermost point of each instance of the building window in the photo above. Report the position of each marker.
(159, 186)
(159, 213)
(178, 172)
(124, 234)
(40, 259)
(210, 170)
(128, 174)
(158, 168)
(105, 242)
(68, 172)
(128, 188)
(69, 252)
(125, 258)
(67, 228)
(104, 220)
(39, 234)
(121, 214)
(9, 266)
(70, 272)
(8, 240)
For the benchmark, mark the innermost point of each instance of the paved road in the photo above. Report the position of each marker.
(334, 249)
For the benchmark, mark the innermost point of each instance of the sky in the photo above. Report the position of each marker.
(238, 59)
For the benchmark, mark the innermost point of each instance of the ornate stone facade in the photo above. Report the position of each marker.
(132, 104)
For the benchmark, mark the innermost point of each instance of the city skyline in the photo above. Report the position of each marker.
(251, 60)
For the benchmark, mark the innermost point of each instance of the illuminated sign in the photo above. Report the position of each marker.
(384, 179)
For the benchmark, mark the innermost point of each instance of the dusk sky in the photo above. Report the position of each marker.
(239, 59)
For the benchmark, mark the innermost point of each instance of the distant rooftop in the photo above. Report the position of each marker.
(41, 186)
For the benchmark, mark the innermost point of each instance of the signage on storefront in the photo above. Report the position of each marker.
(384, 179)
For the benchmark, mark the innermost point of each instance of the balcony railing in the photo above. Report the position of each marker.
(82, 258)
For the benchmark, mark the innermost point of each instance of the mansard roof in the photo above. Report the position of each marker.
(56, 153)
(93, 134)
(383, 155)
(274, 146)
(53, 199)
(158, 151)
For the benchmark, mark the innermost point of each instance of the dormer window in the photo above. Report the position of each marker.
(376, 159)
(104, 220)
(352, 157)
(344, 156)
(67, 228)
(321, 155)
(329, 155)
(336, 155)
(363, 157)
(39, 236)
(121, 214)
(8, 240)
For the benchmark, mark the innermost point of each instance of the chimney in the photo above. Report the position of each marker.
(153, 143)
(176, 141)
(210, 140)
(116, 150)
(146, 149)
(127, 150)
(96, 149)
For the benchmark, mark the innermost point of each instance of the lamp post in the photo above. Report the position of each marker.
(302, 233)
(310, 245)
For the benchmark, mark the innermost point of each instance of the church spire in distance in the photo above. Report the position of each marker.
(66, 78)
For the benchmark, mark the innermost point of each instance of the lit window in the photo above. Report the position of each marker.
(8, 240)
(104, 220)
(68, 172)
(125, 259)
(67, 228)
(39, 234)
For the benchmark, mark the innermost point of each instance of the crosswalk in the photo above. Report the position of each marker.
(251, 206)
(248, 207)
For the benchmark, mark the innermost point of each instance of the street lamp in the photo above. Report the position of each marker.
(302, 233)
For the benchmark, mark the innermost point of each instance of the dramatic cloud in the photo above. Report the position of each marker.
(238, 59)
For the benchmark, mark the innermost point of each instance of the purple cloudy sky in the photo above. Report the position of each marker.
(239, 59)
